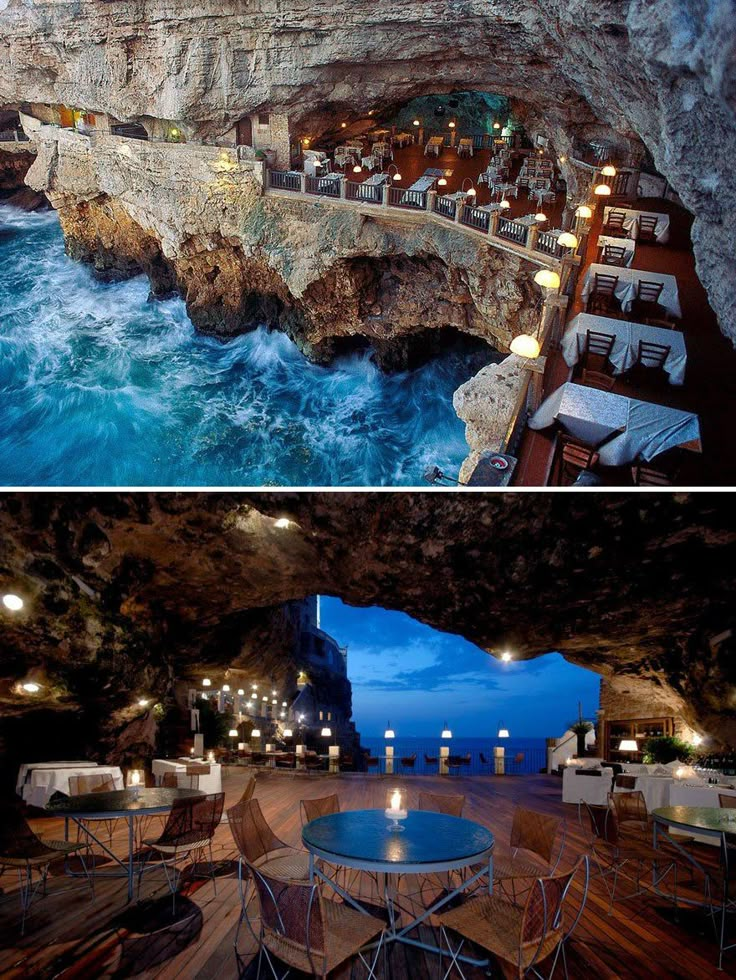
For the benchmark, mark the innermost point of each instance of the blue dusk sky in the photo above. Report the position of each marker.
(419, 677)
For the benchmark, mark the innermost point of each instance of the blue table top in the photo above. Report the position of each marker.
(427, 838)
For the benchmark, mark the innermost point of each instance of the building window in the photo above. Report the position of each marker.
(264, 119)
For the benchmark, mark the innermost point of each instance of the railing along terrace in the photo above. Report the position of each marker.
(286, 181)
(400, 198)
(355, 191)
(512, 231)
(534, 758)
(475, 218)
(517, 424)
(445, 206)
(548, 244)
(320, 185)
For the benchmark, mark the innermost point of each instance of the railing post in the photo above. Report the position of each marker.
(531, 238)
(343, 187)
(303, 183)
(493, 223)
(431, 197)
(459, 207)
(385, 188)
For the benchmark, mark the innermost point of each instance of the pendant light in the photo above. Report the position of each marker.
(502, 732)
(446, 733)
(389, 733)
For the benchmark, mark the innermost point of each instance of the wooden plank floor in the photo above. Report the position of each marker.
(71, 934)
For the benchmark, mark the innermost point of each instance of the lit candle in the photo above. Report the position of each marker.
(394, 811)
(135, 778)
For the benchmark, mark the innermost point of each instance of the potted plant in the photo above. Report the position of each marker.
(581, 727)
(666, 748)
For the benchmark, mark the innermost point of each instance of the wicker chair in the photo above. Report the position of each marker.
(631, 809)
(93, 783)
(430, 760)
(249, 789)
(170, 780)
(452, 804)
(25, 851)
(618, 857)
(190, 827)
(407, 762)
(299, 927)
(535, 834)
(522, 936)
(312, 809)
(259, 847)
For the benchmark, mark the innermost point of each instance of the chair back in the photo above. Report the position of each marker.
(17, 840)
(519, 758)
(430, 760)
(577, 456)
(624, 781)
(603, 823)
(652, 355)
(647, 227)
(648, 476)
(93, 783)
(409, 760)
(648, 292)
(534, 832)
(629, 806)
(252, 835)
(605, 285)
(170, 780)
(451, 804)
(311, 809)
(292, 923)
(614, 255)
(615, 219)
(728, 802)
(544, 914)
(249, 789)
(192, 820)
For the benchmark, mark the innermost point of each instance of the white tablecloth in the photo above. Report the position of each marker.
(591, 789)
(655, 789)
(43, 783)
(626, 287)
(418, 187)
(592, 415)
(628, 244)
(626, 346)
(631, 222)
(25, 770)
(329, 181)
(211, 783)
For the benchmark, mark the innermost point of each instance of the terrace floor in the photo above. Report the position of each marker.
(69, 934)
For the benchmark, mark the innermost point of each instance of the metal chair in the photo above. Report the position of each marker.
(299, 927)
(615, 856)
(258, 846)
(602, 299)
(523, 936)
(720, 892)
(190, 827)
(535, 835)
(25, 851)
(93, 783)
(249, 788)
(614, 225)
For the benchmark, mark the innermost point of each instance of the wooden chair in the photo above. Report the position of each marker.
(26, 852)
(311, 809)
(533, 850)
(573, 457)
(614, 226)
(190, 827)
(594, 351)
(522, 936)
(647, 229)
(450, 803)
(644, 475)
(649, 364)
(646, 301)
(602, 298)
(619, 857)
(299, 927)
(614, 255)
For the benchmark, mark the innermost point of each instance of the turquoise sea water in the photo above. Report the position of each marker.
(99, 386)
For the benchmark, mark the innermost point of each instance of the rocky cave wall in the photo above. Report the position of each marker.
(125, 593)
(657, 70)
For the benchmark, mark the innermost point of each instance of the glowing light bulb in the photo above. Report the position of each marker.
(602, 190)
(525, 346)
(12, 602)
(30, 688)
(506, 656)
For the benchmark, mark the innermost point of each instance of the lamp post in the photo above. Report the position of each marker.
(444, 750)
(395, 177)
(389, 734)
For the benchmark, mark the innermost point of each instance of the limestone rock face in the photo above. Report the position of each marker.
(127, 592)
(659, 71)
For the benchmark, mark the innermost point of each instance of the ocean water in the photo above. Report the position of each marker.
(534, 751)
(100, 386)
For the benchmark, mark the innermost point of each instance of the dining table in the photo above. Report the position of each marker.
(625, 290)
(627, 244)
(627, 337)
(434, 146)
(415, 193)
(41, 781)
(465, 146)
(418, 843)
(632, 218)
(622, 429)
(126, 804)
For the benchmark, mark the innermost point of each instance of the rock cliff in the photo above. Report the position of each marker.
(124, 593)
(656, 71)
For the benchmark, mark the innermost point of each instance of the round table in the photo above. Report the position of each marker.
(711, 821)
(365, 840)
(122, 804)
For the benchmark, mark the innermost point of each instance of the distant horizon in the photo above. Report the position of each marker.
(420, 678)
